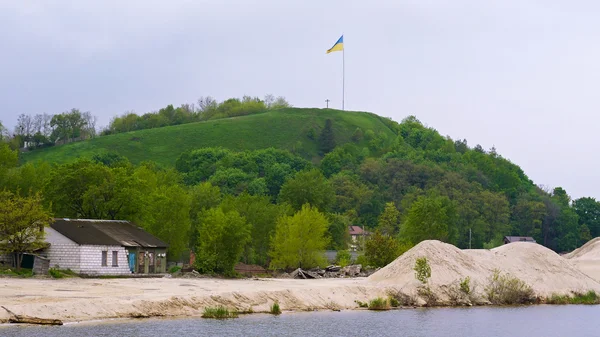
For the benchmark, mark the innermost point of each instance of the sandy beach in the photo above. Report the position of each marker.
(87, 299)
(76, 299)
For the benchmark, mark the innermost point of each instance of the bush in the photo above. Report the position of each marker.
(588, 298)
(219, 312)
(393, 302)
(379, 304)
(343, 258)
(174, 269)
(558, 299)
(465, 285)
(361, 304)
(55, 273)
(275, 310)
(506, 289)
(422, 270)
(401, 298)
(362, 260)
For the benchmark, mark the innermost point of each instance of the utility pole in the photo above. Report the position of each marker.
(327, 101)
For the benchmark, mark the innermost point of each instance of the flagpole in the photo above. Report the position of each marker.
(343, 76)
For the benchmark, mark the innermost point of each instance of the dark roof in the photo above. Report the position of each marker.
(357, 230)
(519, 239)
(106, 232)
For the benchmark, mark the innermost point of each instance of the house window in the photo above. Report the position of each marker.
(104, 258)
(115, 259)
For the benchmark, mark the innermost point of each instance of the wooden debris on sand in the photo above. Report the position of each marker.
(14, 318)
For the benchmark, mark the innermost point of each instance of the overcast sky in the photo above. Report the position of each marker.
(515, 74)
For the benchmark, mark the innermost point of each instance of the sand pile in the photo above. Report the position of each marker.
(587, 258)
(545, 271)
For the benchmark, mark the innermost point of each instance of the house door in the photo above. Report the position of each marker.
(141, 263)
(132, 261)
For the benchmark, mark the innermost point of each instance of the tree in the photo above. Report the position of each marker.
(327, 138)
(588, 210)
(338, 231)
(22, 222)
(307, 187)
(300, 240)
(381, 249)
(262, 216)
(389, 220)
(429, 218)
(221, 240)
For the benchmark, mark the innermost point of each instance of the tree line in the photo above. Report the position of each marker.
(273, 208)
(206, 108)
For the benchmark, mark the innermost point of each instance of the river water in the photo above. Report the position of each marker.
(542, 320)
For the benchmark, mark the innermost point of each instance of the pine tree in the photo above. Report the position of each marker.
(327, 139)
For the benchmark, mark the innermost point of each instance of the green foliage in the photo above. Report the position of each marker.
(379, 304)
(281, 129)
(174, 269)
(327, 138)
(505, 289)
(389, 220)
(222, 237)
(307, 187)
(394, 303)
(262, 216)
(343, 258)
(362, 260)
(428, 218)
(219, 312)
(299, 240)
(22, 222)
(22, 272)
(495, 242)
(61, 273)
(380, 249)
(361, 304)
(422, 270)
(590, 297)
(275, 310)
(465, 285)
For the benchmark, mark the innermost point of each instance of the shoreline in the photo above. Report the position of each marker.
(84, 301)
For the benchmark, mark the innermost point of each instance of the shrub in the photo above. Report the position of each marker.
(361, 304)
(55, 273)
(465, 286)
(588, 298)
(275, 310)
(558, 299)
(362, 260)
(422, 270)
(174, 269)
(506, 289)
(219, 312)
(429, 296)
(393, 302)
(401, 298)
(379, 304)
(343, 258)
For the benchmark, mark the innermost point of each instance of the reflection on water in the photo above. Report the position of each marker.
(529, 321)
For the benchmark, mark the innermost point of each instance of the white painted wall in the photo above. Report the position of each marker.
(63, 253)
(91, 260)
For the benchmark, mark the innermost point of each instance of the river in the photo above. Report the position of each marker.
(541, 320)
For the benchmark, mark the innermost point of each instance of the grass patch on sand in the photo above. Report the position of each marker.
(379, 304)
(219, 312)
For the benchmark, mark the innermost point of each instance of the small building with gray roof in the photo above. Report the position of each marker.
(104, 247)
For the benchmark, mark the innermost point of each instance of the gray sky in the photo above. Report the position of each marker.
(515, 74)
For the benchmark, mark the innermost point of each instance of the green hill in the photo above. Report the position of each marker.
(284, 129)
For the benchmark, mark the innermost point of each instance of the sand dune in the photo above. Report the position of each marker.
(545, 271)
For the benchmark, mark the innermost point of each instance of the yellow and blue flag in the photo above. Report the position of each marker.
(338, 46)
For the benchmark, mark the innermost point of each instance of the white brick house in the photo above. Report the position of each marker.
(103, 247)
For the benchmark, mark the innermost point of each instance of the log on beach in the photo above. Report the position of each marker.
(31, 320)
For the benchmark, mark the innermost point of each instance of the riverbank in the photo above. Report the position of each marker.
(89, 299)
(547, 274)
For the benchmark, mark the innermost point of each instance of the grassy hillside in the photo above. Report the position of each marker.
(284, 129)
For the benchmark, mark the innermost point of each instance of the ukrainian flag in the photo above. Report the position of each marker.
(338, 46)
